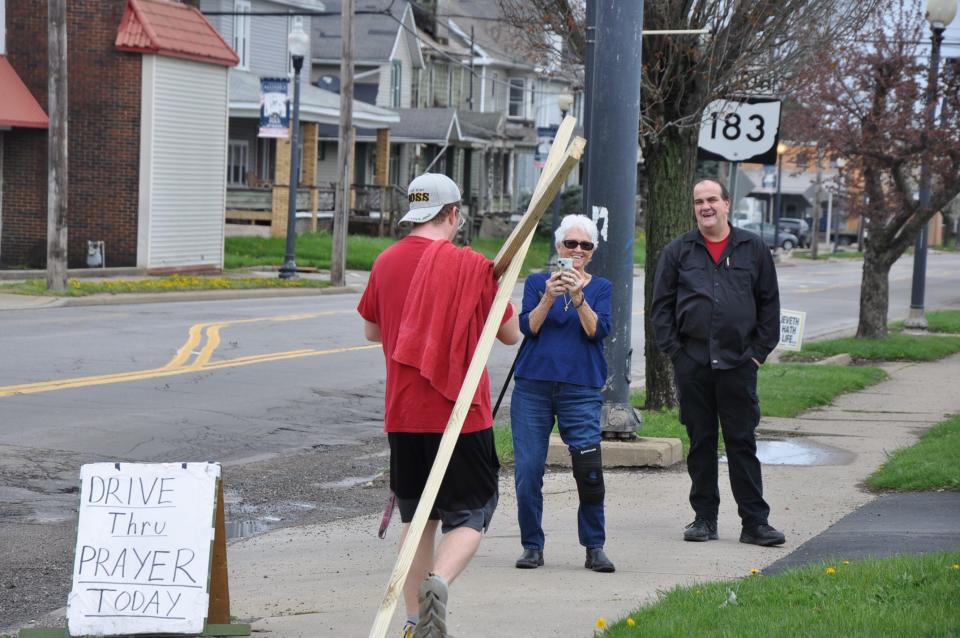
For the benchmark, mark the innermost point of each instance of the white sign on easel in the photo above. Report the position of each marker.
(791, 329)
(143, 552)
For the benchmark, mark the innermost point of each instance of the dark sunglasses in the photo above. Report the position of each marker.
(573, 243)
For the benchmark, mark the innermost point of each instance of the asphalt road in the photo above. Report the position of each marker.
(283, 391)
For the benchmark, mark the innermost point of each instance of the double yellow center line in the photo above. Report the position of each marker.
(188, 359)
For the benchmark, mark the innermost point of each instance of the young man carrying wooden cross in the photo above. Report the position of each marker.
(426, 302)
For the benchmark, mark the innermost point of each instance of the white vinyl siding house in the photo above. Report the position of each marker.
(263, 38)
(182, 164)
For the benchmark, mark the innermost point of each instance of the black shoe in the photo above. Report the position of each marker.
(762, 535)
(531, 559)
(598, 561)
(701, 529)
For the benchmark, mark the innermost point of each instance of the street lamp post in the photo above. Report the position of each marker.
(564, 101)
(940, 13)
(781, 149)
(299, 45)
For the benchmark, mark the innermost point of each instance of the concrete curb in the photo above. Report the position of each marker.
(842, 359)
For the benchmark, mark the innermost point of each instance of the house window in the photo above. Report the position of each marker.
(396, 79)
(441, 78)
(241, 32)
(450, 86)
(237, 151)
(415, 89)
(265, 151)
(517, 86)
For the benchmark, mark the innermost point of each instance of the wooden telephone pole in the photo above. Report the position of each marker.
(341, 216)
(57, 146)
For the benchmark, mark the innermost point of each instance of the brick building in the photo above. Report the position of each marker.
(147, 118)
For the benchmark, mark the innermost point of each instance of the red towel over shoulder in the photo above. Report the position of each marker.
(443, 315)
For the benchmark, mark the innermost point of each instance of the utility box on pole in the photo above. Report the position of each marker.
(613, 115)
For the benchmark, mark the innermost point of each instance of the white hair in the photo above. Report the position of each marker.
(570, 222)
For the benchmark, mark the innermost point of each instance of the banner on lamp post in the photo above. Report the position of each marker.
(274, 107)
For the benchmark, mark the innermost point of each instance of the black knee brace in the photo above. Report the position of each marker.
(588, 472)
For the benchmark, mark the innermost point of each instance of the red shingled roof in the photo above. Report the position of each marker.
(18, 106)
(173, 29)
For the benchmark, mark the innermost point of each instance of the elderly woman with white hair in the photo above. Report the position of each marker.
(560, 372)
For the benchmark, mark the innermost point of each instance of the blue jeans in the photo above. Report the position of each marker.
(533, 408)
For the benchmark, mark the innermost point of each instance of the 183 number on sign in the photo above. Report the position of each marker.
(739, 131)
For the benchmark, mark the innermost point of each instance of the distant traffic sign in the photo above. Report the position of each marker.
(740, 130)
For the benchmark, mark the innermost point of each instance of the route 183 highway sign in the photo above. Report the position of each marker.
(740, 130)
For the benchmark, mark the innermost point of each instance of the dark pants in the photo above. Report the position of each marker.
(730, 396)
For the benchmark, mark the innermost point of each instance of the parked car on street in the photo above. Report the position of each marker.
(788, 241)
(797, 227)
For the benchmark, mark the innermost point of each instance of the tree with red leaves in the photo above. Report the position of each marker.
(869, 101)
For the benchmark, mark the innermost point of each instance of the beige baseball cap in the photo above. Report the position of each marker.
(427, 194)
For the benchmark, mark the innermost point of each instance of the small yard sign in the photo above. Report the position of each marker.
(791, 329)
(143, 550)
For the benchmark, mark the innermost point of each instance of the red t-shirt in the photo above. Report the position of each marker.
(716, 247)
(411, 403)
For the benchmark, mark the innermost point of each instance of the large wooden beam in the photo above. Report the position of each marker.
(530, 220)
(560, 162)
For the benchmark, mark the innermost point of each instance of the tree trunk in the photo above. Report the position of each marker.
(874, 294)
(669, 213)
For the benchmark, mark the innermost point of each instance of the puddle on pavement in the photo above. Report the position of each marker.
(243, 529)
(350, 481)
(798, 452)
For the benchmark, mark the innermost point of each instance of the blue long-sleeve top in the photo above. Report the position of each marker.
(561, 351)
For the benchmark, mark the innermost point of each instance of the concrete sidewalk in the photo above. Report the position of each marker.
(328, 580)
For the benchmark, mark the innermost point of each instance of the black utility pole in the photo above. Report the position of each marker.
(611, 196)
(587, 109)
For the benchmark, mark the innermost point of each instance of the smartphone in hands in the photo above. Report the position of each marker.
(564, 263)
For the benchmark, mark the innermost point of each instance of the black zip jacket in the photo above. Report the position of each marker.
(722, 314)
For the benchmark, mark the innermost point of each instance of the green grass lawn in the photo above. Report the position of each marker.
(930, 464)
(536, 259)
(171, 283)
(785, 390)
(937, 321)
(899, 596)
(894, 347)
(313, 250)
(827, 254)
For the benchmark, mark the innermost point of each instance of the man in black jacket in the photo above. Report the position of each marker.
(716, 314)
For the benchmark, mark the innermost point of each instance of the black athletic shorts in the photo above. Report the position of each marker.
(469, 485)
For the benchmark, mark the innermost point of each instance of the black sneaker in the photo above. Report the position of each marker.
(530, 559)
(762, 535)
(598, 561)
(700, 530)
